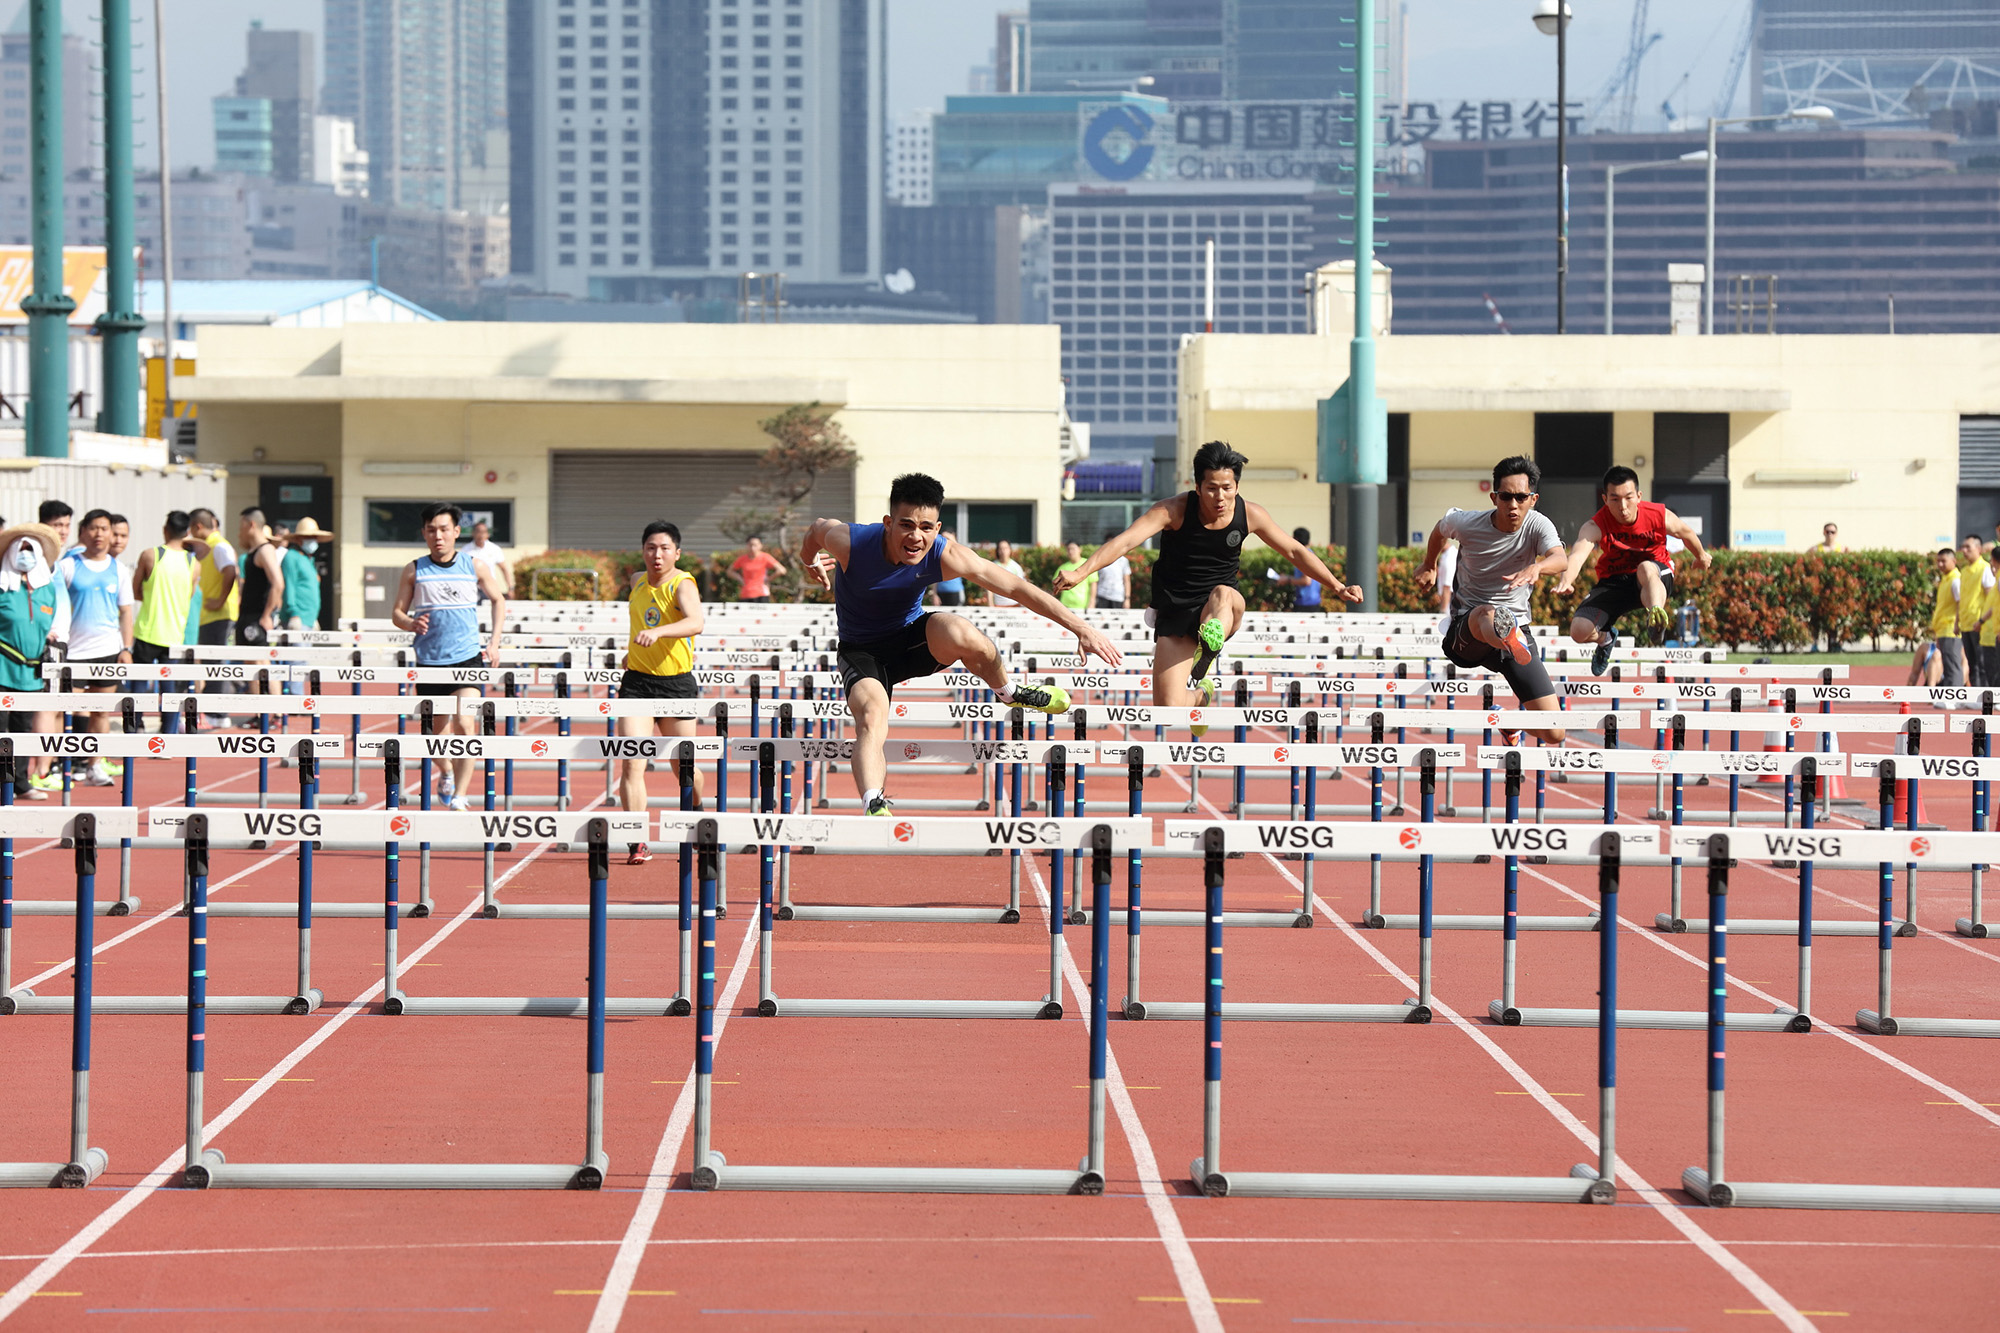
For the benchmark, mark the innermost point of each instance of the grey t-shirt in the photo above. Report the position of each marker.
(1487, 556)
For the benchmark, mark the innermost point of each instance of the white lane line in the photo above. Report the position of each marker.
(617, 1289)
(1766, 1294)
(43, 1273)
(1969, 1103)
(1187, 1270)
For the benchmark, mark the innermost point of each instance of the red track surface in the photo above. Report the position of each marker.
(1460, 1095)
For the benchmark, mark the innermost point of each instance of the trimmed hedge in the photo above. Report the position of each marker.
(1772, 600)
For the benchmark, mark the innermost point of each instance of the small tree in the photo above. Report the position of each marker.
(807, 442)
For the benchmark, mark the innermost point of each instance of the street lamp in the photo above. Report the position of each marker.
(1553, 18)
(1708, 253)
(1611, 174)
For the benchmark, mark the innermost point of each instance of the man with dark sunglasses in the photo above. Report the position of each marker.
(1501, 552)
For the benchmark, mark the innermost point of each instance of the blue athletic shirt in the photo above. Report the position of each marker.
(875, 598)
(449, 595)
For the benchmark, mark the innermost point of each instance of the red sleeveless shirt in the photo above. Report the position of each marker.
(1622, 549)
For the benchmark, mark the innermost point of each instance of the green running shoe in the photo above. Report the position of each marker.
(881, 806)
(1658, 621)
(1212, 635)
(1048, 699)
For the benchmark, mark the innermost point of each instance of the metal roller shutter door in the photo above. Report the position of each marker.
(602, 500)
(1979, 451)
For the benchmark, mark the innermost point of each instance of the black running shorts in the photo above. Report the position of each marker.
(1529, 680)
(902, 656)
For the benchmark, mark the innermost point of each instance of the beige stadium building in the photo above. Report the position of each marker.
(577, 435)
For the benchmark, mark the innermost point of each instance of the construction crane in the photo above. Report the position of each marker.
(1623, 84)
(1725, 97)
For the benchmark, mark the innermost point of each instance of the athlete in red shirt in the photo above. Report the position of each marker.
(755, 567)
(1633, 570)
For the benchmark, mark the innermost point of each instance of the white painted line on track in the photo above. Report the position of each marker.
(1187, 1270)
(617, 1289)
(35, 1279)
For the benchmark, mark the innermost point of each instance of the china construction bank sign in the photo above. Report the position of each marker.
(1215, 141)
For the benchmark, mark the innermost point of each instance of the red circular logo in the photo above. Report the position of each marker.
(1920, 847)
(912, 750)
(1194, 715)
(1411, 838)
(165, 672)
(1638, 690)
(605, 707)
(409, 675)
(1888, 692)
(399, 825)
(905, 831)
(311, 703)
(1798, 722)
(1281, 754)
(158, 744)
(1492, 719)
(1660, 761)
(6, 701)
(902, 710)
(539, 747)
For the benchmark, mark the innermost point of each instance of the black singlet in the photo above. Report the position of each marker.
(255, 581)
(1195, 560)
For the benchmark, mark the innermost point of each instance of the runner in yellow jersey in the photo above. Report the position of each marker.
(659, 663)
(1944, 656)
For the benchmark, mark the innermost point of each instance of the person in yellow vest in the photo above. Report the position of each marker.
(1989, 623)
(659, 662)
(218, 575)
(164, 582)
(1975, 603)
(1943, 658)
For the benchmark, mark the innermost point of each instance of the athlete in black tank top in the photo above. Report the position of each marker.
(1196, 605)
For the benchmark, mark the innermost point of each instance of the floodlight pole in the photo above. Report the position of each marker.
(1363, 513)
(48, 307)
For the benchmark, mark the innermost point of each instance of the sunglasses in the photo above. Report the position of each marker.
(1513, 497)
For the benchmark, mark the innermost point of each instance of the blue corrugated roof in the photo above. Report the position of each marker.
(255, 296)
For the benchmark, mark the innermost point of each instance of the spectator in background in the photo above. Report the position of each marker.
(164, 583)
(754, 567)
(1114, 585)
(217, 575)
(1083, 595)
(100, 630)
(121, 536)
(55, 516)
(263, 580)
(1975, 603)
(484, 548)
(1945, 645)
(1305, 589)
(950, 592)
(1829, 540)
(1003, 556)
(32, 615)
(301, 575)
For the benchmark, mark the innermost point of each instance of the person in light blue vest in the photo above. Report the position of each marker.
(437, 600)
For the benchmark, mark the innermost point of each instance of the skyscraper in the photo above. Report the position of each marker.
(662, 146)
(1891, 62)
(424, 82)
(280, 68)
(1175, 46)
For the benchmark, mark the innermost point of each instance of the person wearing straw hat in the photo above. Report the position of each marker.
(32, 616)
(301, 574)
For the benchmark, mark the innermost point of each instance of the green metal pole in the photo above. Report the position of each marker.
(1370, 433)
(49, 307)
(120, 324)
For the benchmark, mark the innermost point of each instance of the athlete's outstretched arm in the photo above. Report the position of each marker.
(965, 563)
(1298, 553)
(1678, 527)
(1427, 572)
(827, 537)
(1151, 523)
(1587, 538)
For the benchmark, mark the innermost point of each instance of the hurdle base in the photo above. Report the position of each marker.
(67, 907)
(773, 1007)
(1348, 1185)
(1881, 1198)
(1870, 1021)
(1257, 1012)
(356, 910)
(719, 1175)
(26, 1003)
(1294, 920)
(1401, 922)
(531, 1006)
(1676, 1020)
(581, 911)
(54, 1175)
(1698, 925)
(1004, 916)
(1972, 930)
(306, 1003)
(214, 1172)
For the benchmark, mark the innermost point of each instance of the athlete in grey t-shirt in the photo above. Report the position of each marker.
(1501, 553)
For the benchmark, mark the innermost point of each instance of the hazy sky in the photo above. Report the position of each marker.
(1458, 49)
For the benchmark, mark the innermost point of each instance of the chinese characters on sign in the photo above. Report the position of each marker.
(1498, 119)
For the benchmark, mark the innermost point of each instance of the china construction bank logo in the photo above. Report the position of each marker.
(1115, 143)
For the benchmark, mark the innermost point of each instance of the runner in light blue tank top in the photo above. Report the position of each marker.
(449, 595)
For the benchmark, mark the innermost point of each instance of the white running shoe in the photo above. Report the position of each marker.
(460, 803)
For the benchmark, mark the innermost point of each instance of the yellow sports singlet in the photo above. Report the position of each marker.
(1944, 615)
(651, 608)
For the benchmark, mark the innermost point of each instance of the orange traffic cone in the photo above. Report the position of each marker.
(1774, 743)
(1902, 805)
